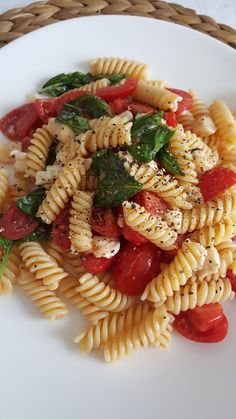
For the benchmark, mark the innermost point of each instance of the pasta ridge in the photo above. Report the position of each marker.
(215, 234)
(80, 221)
(38, 151)
(112, 65)
(158, 97)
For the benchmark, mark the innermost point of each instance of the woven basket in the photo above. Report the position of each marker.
(17, 22)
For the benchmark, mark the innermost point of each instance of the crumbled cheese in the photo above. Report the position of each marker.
(211, 264)
(105, 247)
(48, 176)
(20, 160)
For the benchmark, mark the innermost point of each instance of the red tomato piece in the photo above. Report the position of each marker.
(135, 266)
(104, 222)
(186, 102)
(169, 255)
(110, 93)
(137, 107)
(60, 228)
(215, 334)
(26, 140)
(95, 265)
(151, 202)
(118, 106)
(205, 317)
(46, 108)
(216, 181)
(170, 119)
(15, 224)
(128, 233)
(232, 279)
(67, 97)
(17, 123)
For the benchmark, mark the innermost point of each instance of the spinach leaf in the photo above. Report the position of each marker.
(52, 154)
(71, 116)
(62, 83)
(114, 184)
(145, 123)
(30, 203)
(150, 143)
(7, 246)
(41, 234)
(169, 163)
(93, 105)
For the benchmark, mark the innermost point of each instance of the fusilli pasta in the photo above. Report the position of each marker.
(156, 96)
(80, 221)
(4, 184)
(224, 122)
(216, 233)
(10, 274)
(112, 65)
(38, 151)
(203, 124)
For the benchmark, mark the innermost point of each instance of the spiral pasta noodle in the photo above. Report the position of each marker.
(203, 124)
(189, 259)
(54, 251)
(102, 295)
(152, 330)
(219, 209)
(46, 300)
(112, 65)
(60, 192)
(198, 294)
(149, 226)
(10, 274)
(156, 180)
(215, 234)
(3, 185)
(224, 122)
(95, 85)
(105, 121)
(186, 119)
(204, 157)
(41, 264)
(156, 96)
(80, 221)
(38, 151)
(96, 336)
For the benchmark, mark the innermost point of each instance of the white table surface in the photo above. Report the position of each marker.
(223, 11)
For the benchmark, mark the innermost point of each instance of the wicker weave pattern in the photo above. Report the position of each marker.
(17, 22)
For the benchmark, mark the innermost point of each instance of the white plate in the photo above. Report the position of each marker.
(42, 373)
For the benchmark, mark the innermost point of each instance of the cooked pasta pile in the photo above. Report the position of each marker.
(86, 175)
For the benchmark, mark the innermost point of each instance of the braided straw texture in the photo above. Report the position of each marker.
(17, 22)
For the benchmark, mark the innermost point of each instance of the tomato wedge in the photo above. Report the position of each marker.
(95, 265)
(127, 104)
(46, 108)
(135, 266)
(104, 222)
(60, 229)
(205, 317)
(170, 119)
(216, 334)
(128, 233)
(151, 202)
(15, 224)
(110, 93)
(67, 97)
(17, 123)
(232, 279)
(186, 102)
(216, 181)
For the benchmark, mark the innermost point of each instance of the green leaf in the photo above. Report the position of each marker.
(144, 123)
(7, 246)
(93, 105)
(40, 234)
(30, 203)
(115, 185)
(63, 83)
(150, 143)
(169, 163)
(71, 116)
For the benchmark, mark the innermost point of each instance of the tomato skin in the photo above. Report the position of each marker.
(15, 224)
(232, 279)
(96, 265)
(135, 266)
(216, 181)
(60, 229)
(151, 202)
(46, 108)
(170, 119)
(169, 255)
(186, 102)
(127, 232)
(104, 222)
(127, 104)
(17, 123)
(110, 93)
(205, 317)
(67, 97)
(214, 335)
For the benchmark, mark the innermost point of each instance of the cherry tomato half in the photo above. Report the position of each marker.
(104, 222)
(151, 202)
(205, 317)
(46, 108)
(17, 123)
(60, 228)
(67, 97)
(186, 102)
(215, 334)
(170, 119)
(110, 93)
(135, 266)
(95, 265)
(216, 181)
(232, 279)
(15, 224)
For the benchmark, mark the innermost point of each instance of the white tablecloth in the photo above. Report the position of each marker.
(223, 11)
